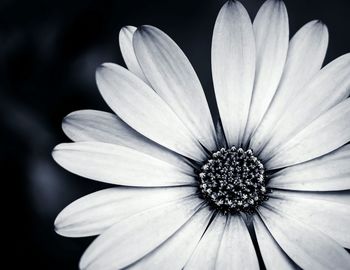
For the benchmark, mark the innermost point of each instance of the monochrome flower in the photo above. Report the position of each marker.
(271, 177)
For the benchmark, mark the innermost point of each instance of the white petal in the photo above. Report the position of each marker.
(306, 53)
(307, 247)
(144, 110)
(171, 75)
(125, 43)
(273, 256)
(327, 133)
(118, 165)
(342, 197)
(330, 172)
(271, 40)
(205, 254)
(132, 238)
(236, 250)
(96, 212)
(233, 68)
(333, 219)
(174, 252)
(90, 125)
(328, 88)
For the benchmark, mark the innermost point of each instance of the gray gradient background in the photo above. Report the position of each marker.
(48, 54)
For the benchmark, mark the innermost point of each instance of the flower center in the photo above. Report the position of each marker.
(233, 180)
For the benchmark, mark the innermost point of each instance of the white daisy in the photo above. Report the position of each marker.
(189, 196)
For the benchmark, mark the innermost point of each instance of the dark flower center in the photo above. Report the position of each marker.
(233, 180)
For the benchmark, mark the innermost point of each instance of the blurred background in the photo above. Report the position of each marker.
(49, 51)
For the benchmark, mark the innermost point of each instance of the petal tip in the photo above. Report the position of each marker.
(103, 66)
(231, 3)
(59, 225)
(58, 151)
(56, 226)
(145, 29)
(279, 3)
(54, 152)
(319, 24)
(84, 262)
(128, 29)
(67, 120)
(103, 69)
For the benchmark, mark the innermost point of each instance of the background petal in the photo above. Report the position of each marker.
(125, 43)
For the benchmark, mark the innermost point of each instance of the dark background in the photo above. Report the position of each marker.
(49, 51)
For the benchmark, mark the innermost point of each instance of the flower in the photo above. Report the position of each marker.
(190, 194)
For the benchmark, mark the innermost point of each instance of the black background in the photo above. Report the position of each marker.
(49, 51)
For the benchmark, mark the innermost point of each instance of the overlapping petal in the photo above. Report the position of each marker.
(330, 172)
(96, 212)
(331, 218)
(132, 238)
(342, 197)
(271, 32)
(144, 110)
(233, 68)
(174, 252)
(118, 165)
(126, 35)
(306, 53)
(274, 257)
(329, 87)
(171, 75)
(236, 250)
(306, 246)
(91, 125)
(205, 254)
(327, 133)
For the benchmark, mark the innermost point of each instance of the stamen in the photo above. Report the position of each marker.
(233, 180)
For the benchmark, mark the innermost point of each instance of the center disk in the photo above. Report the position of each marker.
(233, 180)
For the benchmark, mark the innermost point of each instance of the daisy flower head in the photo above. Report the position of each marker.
(269, 180)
